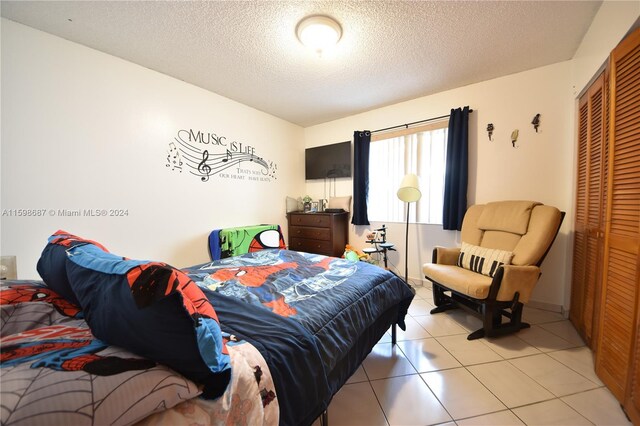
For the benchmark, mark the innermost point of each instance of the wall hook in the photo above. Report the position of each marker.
(490, 129)
(536, 122)
(514, 137)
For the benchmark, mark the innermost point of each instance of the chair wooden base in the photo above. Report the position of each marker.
(490, 311)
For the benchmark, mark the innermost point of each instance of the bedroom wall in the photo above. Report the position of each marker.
(612, 22)
(84, 131)
(540, 168)
(610, 25)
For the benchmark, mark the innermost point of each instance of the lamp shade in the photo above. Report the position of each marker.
(409, 190)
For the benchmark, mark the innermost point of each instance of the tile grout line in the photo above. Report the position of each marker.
(511, 409)
(386, 418)
(472, 375)
(553, 359)
(466, 367)
(437, 399)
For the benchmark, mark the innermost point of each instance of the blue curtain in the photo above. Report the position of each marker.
(361, 142)
(457, 170)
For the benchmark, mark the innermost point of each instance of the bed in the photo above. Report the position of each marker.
(290, 329)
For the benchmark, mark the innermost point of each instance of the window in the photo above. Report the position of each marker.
(421, 150)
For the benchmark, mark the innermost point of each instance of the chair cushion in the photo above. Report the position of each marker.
(483, 260)
(499, 240)
(543, 226)
(508, 216)
(459, 279)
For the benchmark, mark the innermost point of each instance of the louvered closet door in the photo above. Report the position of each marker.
(576, 313)
(595, 208)
(618, 347)
(590, 208)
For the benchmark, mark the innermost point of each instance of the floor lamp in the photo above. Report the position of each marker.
(408, 192)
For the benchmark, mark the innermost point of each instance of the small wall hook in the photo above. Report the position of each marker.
(514, 137)
(536, 122)
(490, 129)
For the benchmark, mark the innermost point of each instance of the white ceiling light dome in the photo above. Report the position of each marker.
(319, 32)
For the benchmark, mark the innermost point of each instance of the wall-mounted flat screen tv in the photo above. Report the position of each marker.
(328, 161)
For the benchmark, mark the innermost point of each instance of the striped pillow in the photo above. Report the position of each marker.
(483, 260)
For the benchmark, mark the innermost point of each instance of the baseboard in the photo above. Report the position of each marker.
(420, 282)
(423, 282)
(545, 306)
(416, 282)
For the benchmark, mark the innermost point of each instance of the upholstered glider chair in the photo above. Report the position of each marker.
(494, 272)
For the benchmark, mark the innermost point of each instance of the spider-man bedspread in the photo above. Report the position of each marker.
(314, 318)
(294, 327)
(56, 372)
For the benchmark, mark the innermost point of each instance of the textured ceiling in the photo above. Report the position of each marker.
(390, 51)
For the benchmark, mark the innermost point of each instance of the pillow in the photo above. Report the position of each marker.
(61, 374)
(46, 347)
(152, 310)
(52, 263)
(483, 260)
(343, 203)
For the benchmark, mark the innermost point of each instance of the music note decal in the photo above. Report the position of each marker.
(227, 163)
(173, 158)
(203, 167)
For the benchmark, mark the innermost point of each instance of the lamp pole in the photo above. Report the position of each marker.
(408, 192)
(406, 248)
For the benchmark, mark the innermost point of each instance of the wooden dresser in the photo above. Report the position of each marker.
(321, 233)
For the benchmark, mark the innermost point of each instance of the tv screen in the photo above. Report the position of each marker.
(328, 161)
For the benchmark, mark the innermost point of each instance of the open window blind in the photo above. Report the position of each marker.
(421, 150)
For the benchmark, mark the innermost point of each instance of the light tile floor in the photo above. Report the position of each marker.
(543, 375)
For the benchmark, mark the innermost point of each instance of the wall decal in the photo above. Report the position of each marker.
(514, 137)
(536, 122)
(490, 129)
(208, 155)
(173, 158)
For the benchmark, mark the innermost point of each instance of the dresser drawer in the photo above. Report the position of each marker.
(322, 233)
(310, 219)
(310, 232)
(310, 246)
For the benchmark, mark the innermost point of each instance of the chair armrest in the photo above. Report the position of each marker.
(446, 256)
(519, 279)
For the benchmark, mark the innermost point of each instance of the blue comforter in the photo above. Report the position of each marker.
(309, 315)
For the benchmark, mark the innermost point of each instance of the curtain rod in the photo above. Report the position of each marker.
(411, 124)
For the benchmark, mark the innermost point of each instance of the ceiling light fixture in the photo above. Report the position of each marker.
(319, 32)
